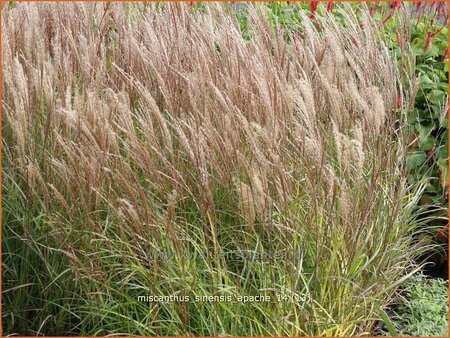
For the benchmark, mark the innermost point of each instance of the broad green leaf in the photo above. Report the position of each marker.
(426, 141)
(416, 159)
(442, 152)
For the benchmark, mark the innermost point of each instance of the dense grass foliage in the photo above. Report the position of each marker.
(158, 150)
(416, 35)
(37, 284)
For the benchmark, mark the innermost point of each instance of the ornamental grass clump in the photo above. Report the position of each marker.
(169, 154)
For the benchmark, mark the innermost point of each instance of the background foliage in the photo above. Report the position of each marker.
(424, 309)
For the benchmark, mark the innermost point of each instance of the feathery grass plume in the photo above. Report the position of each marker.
(247, 204)
(110, 108)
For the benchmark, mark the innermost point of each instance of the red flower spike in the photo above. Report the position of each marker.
(330, 6)
(371, 10)
(395, 4)
(428, 41)
(418, 5)
(313, 9)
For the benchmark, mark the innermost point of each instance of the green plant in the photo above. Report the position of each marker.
(424, 308)
(422, 51)
(429, 120)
